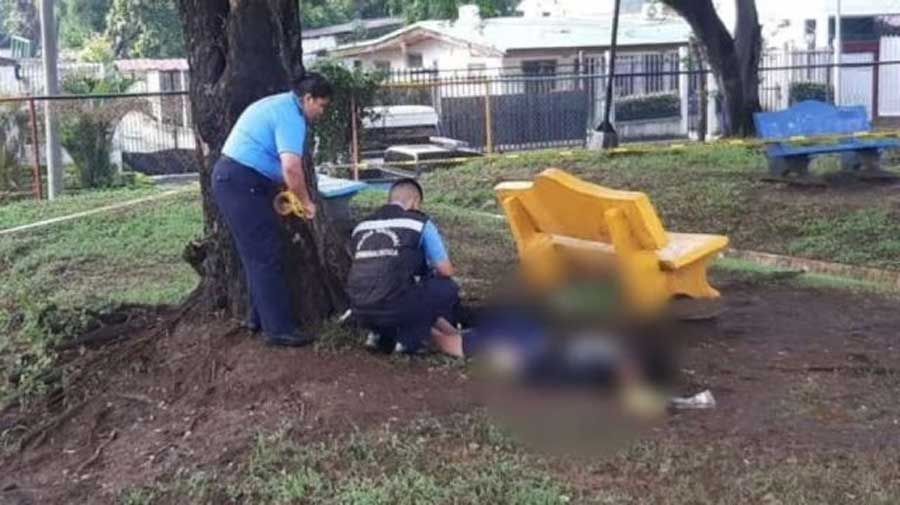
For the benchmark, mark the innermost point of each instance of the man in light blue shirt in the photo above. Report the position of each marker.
(263, 152)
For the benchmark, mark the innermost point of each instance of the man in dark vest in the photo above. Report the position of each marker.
(400, 284)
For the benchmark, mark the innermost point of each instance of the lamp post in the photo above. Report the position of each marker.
(608, 137)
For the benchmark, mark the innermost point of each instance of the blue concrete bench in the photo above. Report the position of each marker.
(790, 137)
(337, 193)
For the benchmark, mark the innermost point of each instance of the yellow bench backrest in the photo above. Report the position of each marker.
(562, 204)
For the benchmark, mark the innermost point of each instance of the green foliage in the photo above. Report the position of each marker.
(96, 49)
(419, 10)
(801, 91)
(145, 29)
(21, 17)
(13, 174)
(652, 106)
(81, 20)
(87, 132)
(352, 87)
(318, 13)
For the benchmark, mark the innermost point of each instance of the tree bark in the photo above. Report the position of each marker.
(734, 61)
(240, 51)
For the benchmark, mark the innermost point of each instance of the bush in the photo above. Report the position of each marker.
(653, 106)
(801, 91)
(87, 132)
(333, 130)
(13, 174)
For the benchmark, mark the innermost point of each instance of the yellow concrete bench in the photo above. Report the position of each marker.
(564, 226)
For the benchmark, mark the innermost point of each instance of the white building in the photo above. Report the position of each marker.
(538, 46)
(809, 24)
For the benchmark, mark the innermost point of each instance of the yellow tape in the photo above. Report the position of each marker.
(286, 203)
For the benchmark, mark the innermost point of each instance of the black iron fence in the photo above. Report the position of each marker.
(105, 136)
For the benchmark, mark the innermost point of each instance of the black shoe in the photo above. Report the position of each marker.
(289, 340)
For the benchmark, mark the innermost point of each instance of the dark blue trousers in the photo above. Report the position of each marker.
(245, 200)
(409, 318)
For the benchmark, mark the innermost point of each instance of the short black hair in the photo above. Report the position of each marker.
(315, 84)
(409, 181)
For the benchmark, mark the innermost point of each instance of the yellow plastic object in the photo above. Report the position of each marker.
(564, 226)
(286, 203)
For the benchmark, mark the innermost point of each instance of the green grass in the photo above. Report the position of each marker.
(53, 278)
(467, 459)
(461, 460)
(30, 211)
(710, 189)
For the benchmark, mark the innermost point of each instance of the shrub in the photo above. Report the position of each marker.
(87, 131)
(13, 173)
(653, 106)
(333, 130)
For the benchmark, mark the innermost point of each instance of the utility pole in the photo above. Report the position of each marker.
(838, 43)
(51, 88)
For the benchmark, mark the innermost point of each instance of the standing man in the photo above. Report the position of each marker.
(263, 152)
(400, 283)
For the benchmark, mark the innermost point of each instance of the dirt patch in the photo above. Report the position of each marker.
(199, 396)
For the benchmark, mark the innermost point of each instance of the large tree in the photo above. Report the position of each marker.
(734, 59)
(240, 51)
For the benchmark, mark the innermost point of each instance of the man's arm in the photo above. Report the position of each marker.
(294, 178)
(435, 252)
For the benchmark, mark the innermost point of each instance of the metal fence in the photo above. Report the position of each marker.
(508, 110)
(101, 137)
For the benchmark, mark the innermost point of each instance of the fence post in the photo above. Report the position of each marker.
(36, 148)
(488, 119)
(354, 138)
(712, 116)
(684, 88)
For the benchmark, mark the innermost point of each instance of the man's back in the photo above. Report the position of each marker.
(267, 128)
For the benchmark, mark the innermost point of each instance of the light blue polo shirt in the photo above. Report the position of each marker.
(267, 128)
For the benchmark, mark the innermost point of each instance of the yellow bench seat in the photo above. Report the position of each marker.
(564, 226)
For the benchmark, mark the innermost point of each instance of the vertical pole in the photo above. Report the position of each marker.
(684, 88)
(354, 148)
(51, 88)
(838, 43)
(35, 145)
(488, 120)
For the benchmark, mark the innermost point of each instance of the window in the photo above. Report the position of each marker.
(540, 75)
(476, 69)
(383, 66)
(414, 60)
(357, 64)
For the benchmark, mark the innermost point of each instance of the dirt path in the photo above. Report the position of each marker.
(199, 396)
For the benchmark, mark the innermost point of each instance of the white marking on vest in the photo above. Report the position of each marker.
(409, 224)
(380, 253)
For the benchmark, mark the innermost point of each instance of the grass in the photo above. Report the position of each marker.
(30, 211)
(55, 279)
(711, 189)
(462, 460)
(468, 459)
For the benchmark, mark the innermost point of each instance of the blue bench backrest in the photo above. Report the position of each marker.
(811, 118)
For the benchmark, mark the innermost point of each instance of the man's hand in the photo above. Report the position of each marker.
(444, 268)
(309, 209)
(294, 178)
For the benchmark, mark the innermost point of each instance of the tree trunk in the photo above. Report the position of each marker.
(240, 51)
(734, 61)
